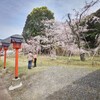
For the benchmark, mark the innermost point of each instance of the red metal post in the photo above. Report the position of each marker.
(5, 58)
(16, 45)
(16, 64)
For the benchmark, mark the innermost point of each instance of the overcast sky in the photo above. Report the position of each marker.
(13, 13)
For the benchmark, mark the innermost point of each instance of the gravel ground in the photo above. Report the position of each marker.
(60, 83)
(86, 88)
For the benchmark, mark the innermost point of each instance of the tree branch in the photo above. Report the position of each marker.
(86, 7)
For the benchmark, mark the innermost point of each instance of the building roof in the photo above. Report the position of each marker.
(8, 40)
(17, 36)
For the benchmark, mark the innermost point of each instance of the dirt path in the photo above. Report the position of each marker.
(4, 95)
(60, 83)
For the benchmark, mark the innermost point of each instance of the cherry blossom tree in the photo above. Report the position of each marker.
(75, 24)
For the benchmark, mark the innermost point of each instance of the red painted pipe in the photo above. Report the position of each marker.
(5, 58)
(16, 64)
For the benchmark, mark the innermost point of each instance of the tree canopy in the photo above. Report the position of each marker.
(93, 26)
(34, 25)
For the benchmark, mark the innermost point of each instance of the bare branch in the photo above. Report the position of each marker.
(87, 7)
(69, 17)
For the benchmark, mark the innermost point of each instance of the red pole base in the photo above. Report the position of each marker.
(16, 77)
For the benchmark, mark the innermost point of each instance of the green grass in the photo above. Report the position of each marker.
(1, 63)
(43, 62)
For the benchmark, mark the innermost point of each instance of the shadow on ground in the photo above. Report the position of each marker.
(86, 88)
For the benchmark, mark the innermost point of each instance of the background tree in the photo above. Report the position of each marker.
(93, 29)
(75, 24)
(34, 25)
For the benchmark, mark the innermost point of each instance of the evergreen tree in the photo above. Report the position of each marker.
(93, 27)
(34, 25)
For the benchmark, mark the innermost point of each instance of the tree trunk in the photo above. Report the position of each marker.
(82, 56)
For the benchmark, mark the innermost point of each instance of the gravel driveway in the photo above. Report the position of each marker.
(61, 83)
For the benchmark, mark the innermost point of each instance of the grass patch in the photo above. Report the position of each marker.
(43, 62)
